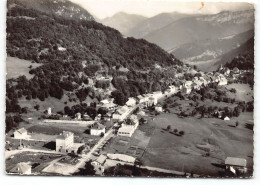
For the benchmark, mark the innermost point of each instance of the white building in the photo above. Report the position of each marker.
(97, 129)
(128, 127)
(100, 161)
(49, 111)
(158, 108)
(21, 134)
(78, 115)
(121, 113)
(65, 142)
(131, 102)
(158, 94)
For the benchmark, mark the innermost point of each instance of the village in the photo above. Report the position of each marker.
(63, 145)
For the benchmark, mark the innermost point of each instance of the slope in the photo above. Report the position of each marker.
(123, 22)
(202, 27)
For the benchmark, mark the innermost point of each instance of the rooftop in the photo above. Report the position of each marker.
(98, 126)
(101, 159)
(235, 161)
(21, 130)
(65, 135)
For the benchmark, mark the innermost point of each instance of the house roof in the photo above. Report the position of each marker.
(126, 129)
(101, 159)
(235, 161)
(21, 130)
(20, 168)
(64, 135)
(98, 126)
(122, 110)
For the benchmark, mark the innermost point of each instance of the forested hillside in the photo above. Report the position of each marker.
(74, 50)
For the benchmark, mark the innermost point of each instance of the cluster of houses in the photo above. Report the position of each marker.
(128, 127)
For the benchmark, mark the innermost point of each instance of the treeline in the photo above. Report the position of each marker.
(242, 62)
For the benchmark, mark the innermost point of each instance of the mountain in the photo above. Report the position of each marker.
(63, 8)
(209, 49)
(154, 23)
(123, 21)
(232, 58)
(190, 29)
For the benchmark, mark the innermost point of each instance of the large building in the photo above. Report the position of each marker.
(21, 134)
(128, 127)
(65, 142)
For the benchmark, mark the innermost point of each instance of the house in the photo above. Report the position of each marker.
(49, 111)
(78, 115)
(186, 90)
(97, 129)
(236, 70)
(226, 118)
(22, 168)
(100, 161)
(157, 94)
(64, 142)
(107, 101)
(121, 113)
(98, 117)
(21, 134)
(172, 88)
(142, 99)
(151, 101)
(158, 108)
(125, 131)
(86, 117)
(131, 102)
(235, 165)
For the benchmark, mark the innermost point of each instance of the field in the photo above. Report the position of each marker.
(204, 146)
(243, 92)
(16, 67)
(38, 160)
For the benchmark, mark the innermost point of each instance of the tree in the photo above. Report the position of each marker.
(175, 131)
(102, 134)
(237, 123)
(181, 133)
(138, 162)
(88, 170)
(168, 127)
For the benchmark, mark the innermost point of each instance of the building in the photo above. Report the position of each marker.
(151, 101)
(49, 111)
(21, 134)
(226, 118)
(78, 115)
(22, 168)
(97, 129)
(98, 117)
(235, 165)
(158, 94)
(186, 90)
(100, 161)
(158, 108)
(65, 142)
(235, 70)
(129, 126)
(121, 113)
(131, 102)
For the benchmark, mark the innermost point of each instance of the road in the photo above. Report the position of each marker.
(100, 143)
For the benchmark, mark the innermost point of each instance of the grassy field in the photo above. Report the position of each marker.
(16, 67)
(243, 92)
(204, 146)
(38, 160)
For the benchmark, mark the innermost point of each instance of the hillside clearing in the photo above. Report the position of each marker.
(16, 67)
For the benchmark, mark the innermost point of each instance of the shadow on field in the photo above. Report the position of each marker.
(219, 165)
(51, 145)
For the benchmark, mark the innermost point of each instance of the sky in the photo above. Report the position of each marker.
(149, 8)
